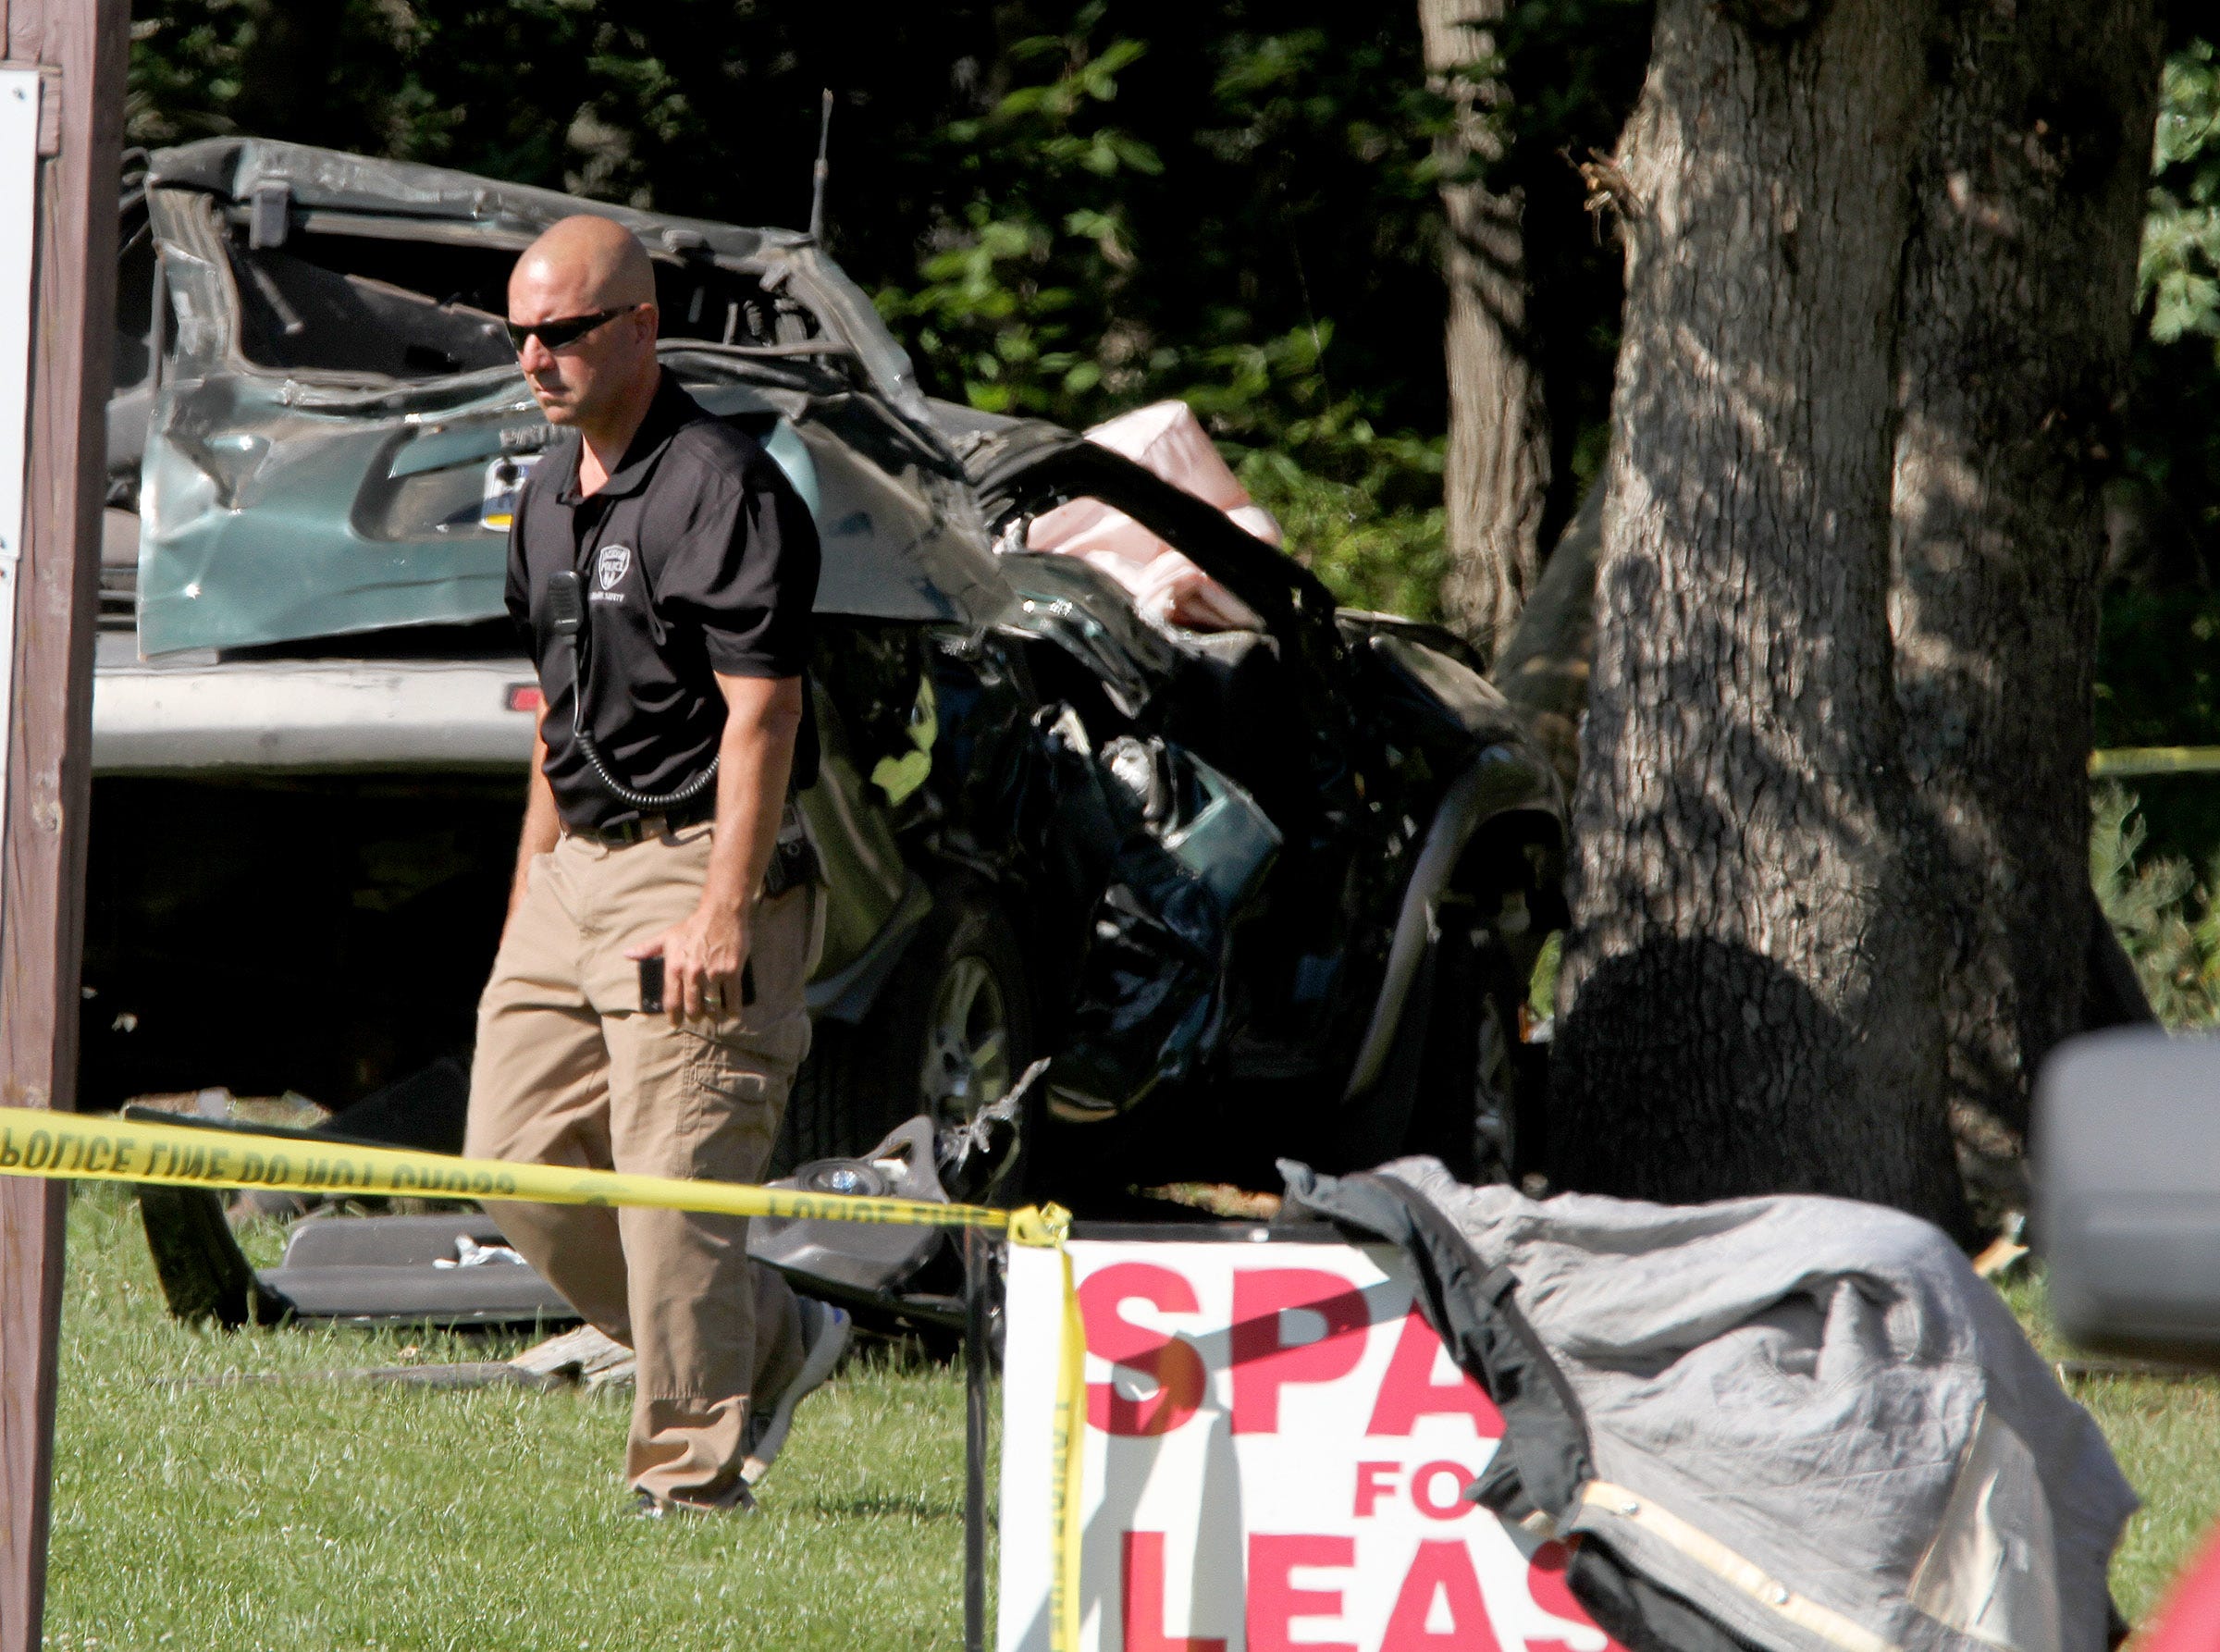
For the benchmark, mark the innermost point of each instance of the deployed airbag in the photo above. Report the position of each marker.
(1167, 439)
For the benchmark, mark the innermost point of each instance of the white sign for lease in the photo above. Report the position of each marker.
(1273, 1457)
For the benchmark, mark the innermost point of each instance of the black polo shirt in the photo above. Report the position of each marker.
(697, 557)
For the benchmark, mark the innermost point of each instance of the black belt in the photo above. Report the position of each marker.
(794, 860)
(638, 829)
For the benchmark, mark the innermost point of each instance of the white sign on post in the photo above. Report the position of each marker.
(19, 228)
(1273, 1457)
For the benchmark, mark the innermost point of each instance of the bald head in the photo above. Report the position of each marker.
(600, 379)
(594, 262)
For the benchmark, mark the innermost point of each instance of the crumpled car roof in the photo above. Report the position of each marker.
(237, 168)
(266, 542)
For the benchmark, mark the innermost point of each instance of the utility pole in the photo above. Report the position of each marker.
(64, 59)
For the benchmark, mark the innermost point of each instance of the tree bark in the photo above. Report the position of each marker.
(2018, 301)
(1747, 1002)
(1497, 475)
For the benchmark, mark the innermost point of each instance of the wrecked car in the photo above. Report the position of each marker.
(1272, 890)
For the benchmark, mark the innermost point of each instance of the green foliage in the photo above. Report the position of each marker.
(2168, 923)
(2158, 684)
(2171, 492)
(1370, 554)
(2180, 273)
(1047, 297)
(1017, 303)
(2158, 655)
(2159, 670)
(413, 83)
(1541, 987)
(1067, 208)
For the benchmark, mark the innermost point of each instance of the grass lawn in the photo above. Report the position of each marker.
(2167, 1436)
(303, 1516)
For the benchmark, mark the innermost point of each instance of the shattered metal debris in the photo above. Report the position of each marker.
(880, 1268)
(425, 1110)
(980, 1159)
(203, 1274)
(583, 1358)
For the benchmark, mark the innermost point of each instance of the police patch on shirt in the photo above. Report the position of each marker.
(614, 562)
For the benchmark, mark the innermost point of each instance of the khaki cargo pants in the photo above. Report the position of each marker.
(569, 1072)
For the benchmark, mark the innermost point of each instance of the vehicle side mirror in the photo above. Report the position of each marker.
(2127, 1191)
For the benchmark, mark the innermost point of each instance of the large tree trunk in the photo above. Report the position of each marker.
(2017, 316)
(1747, 1002)
(1498, 471)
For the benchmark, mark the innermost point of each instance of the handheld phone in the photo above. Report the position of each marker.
(651, 985)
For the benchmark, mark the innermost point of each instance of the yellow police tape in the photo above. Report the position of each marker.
(80, 1147)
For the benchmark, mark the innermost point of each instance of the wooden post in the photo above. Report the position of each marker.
(80, 47)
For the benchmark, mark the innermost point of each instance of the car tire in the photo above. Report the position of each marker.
(952, 1032)
(1479, 1076)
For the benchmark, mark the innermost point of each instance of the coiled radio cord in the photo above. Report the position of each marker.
(566, 611)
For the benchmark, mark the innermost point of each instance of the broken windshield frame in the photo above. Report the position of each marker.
(341, 298)
(284, 186)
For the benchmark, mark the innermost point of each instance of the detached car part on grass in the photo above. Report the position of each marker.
(1249, 894)
(453, 1268)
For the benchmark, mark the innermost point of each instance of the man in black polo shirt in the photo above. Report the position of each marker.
(664, 571)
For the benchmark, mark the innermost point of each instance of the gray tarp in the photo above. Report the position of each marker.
(1808, 1416)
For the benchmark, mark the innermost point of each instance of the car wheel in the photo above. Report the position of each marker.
(951, 1034)
(967, 1061)
(1477, 1071)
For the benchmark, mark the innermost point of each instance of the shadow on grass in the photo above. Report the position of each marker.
(888, 1504)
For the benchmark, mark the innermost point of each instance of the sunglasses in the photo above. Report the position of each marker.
(564, 330)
